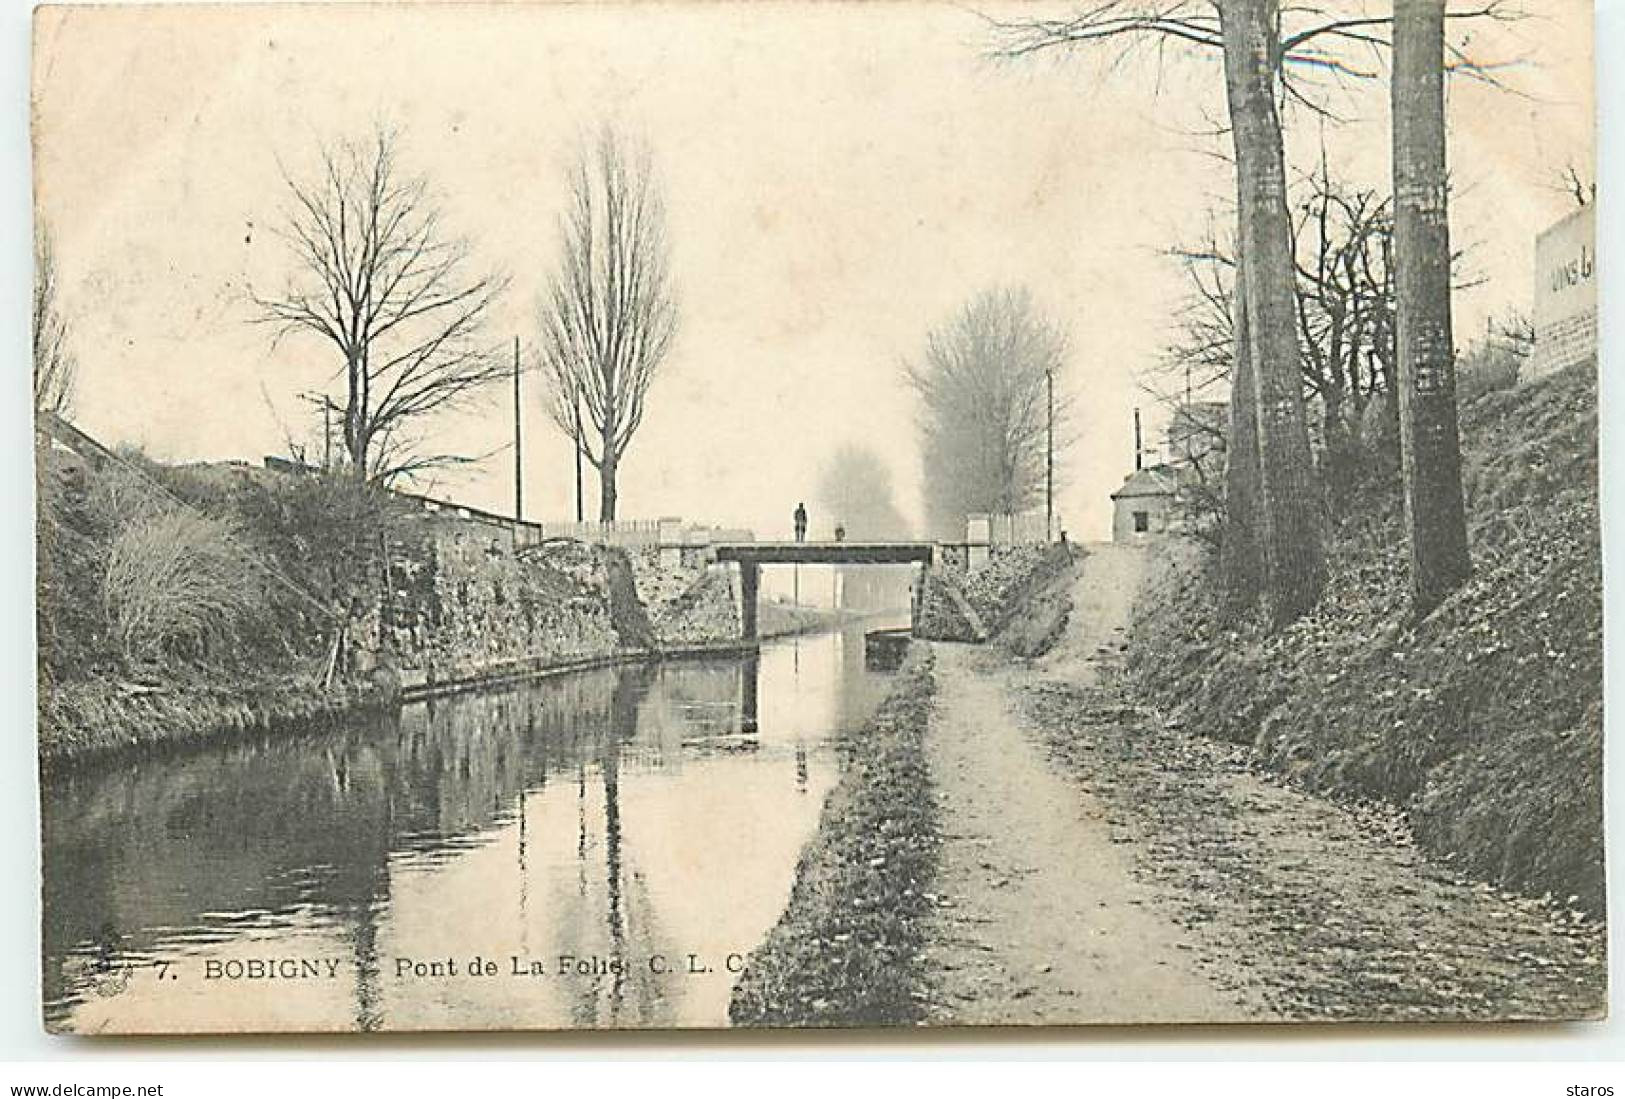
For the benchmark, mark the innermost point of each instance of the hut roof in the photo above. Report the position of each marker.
(1150, 481)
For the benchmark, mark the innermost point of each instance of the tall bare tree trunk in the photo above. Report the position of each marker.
(1241, 561)
(355, 416)
(1294, 555)
(1430, 445)
(607, 470)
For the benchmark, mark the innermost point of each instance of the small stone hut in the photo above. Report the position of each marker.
(1143, 507)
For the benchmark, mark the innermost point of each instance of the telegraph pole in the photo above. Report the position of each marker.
(328, 408)
(518, 444)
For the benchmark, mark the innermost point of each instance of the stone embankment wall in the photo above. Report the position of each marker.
(458, 603)
(690, 601)
(459, 608)
(463, 605)
(973, 606)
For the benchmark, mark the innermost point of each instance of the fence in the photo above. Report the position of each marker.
(667, 533)
(626, 533)
(642, 533)
(1028, 528)
(987, 536)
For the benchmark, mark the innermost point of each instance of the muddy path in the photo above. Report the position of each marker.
(1099, 867)
(1041, 918)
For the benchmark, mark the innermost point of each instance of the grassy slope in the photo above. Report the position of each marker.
(1484, 722)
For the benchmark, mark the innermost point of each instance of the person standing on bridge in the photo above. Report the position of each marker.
(801, 522)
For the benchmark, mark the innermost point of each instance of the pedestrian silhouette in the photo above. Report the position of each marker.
(801, 522)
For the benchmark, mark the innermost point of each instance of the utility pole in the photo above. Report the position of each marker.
(1049, 459)
(1139, 449)
(328, 408)
(518, 444)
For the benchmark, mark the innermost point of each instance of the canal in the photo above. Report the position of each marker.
(601, 849)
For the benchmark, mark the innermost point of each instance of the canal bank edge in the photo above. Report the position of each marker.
(99, 717)
(104, 720)
(845, 951)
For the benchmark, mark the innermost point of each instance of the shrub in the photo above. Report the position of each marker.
(1489, 366)
(115, 497)
(178, 583)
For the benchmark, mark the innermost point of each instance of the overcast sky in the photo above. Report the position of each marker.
(839, 179)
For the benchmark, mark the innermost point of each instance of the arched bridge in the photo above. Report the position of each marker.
(751, 556)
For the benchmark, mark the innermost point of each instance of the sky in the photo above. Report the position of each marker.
(839, 179)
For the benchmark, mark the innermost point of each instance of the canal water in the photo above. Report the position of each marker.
(601, 849)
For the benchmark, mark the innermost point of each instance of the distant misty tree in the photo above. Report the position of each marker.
(609, 315)
(377, 276)
(55, 367)
(855, 490)
(984, 409)
(1495, 360)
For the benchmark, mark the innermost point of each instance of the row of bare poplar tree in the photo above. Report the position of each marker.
(377, 274)
(1273, 549)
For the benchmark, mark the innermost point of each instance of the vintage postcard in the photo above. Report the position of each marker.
(709, 514)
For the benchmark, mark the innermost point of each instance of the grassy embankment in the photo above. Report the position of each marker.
(843, 952)
(176, 603)
(1484, 721)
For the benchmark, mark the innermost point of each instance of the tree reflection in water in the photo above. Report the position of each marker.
(437, 832)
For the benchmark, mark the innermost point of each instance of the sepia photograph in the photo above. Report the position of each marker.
(695, 514)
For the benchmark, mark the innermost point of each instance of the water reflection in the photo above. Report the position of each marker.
(585, 851)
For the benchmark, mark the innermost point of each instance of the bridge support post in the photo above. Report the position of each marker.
(750, 581)
(750, 672)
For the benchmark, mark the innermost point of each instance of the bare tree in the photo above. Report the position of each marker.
(1255, 47)
(1272, 51)
(378, 277)
(984, 420)
(1435, 510)
(1294, 554)
(610, 314)
(1241, 553)
(1343, 248)
(55, 368)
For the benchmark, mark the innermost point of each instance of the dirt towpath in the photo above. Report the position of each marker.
(1099, 867)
